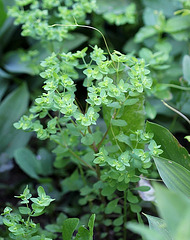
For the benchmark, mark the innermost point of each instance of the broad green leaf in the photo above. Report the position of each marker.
(175, 176)
(133, 115)
(159, 226)
(91, 226)
(69, 226)
(173, 208)
(144, 231)
(172, 150)
(27, 162)
(186, 68)
(11, 109)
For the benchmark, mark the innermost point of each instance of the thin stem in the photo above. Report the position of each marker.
(84, 26)
(175, 110)
(149, 179)
(125, 216)
(176, 86)
(103, 138)
(80, 159)
(75, 155)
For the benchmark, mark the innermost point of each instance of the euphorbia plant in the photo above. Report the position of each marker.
(118, 154)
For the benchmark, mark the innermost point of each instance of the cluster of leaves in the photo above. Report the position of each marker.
(40, 14)
(24, 227)
(115, 85)
(19, 227)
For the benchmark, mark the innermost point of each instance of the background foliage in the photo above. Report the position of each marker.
(31, 51)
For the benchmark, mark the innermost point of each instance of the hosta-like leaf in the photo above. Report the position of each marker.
(146, 232)
(159, 226)
(172, 150)
(175, 176)
(174, 208)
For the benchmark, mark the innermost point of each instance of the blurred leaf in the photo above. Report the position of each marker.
(72, 183)
(3, 14)
(27, 162)
(174, 208)
(116, 7)
(146, 232)
(159, 226)
(45, 162)
(13, 63)
(144, 33)
(177, 23)
(166, 6)
(3, 86)
(172, 150)
(186, 68)
(150, 110)
(11, 109)
(6, 163)
(69, 226)
(6, 32)
(175, 176)
(75, 40)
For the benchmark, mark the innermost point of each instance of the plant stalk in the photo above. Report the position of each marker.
(125, 216)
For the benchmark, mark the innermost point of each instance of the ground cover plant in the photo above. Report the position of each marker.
(90, 145)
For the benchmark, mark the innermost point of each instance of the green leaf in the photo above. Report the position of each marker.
(41, 192)
(159, 225)
(177, 23)
(72, 183)
(133, 115)
(27, 162)
(87, 139)
(83, 234)
(175, 176)
(24, 210)
(186, 68)
(118, 122)
(118, 221)
(11, 109)
(144, 33)
(110, 208)
(142, 188)
(69, 226)
(174, 208)
(146, 232)
(166, 6)
(131, 101)
(91, 226)
(45, 161)
(172, 150)
(107, 190)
